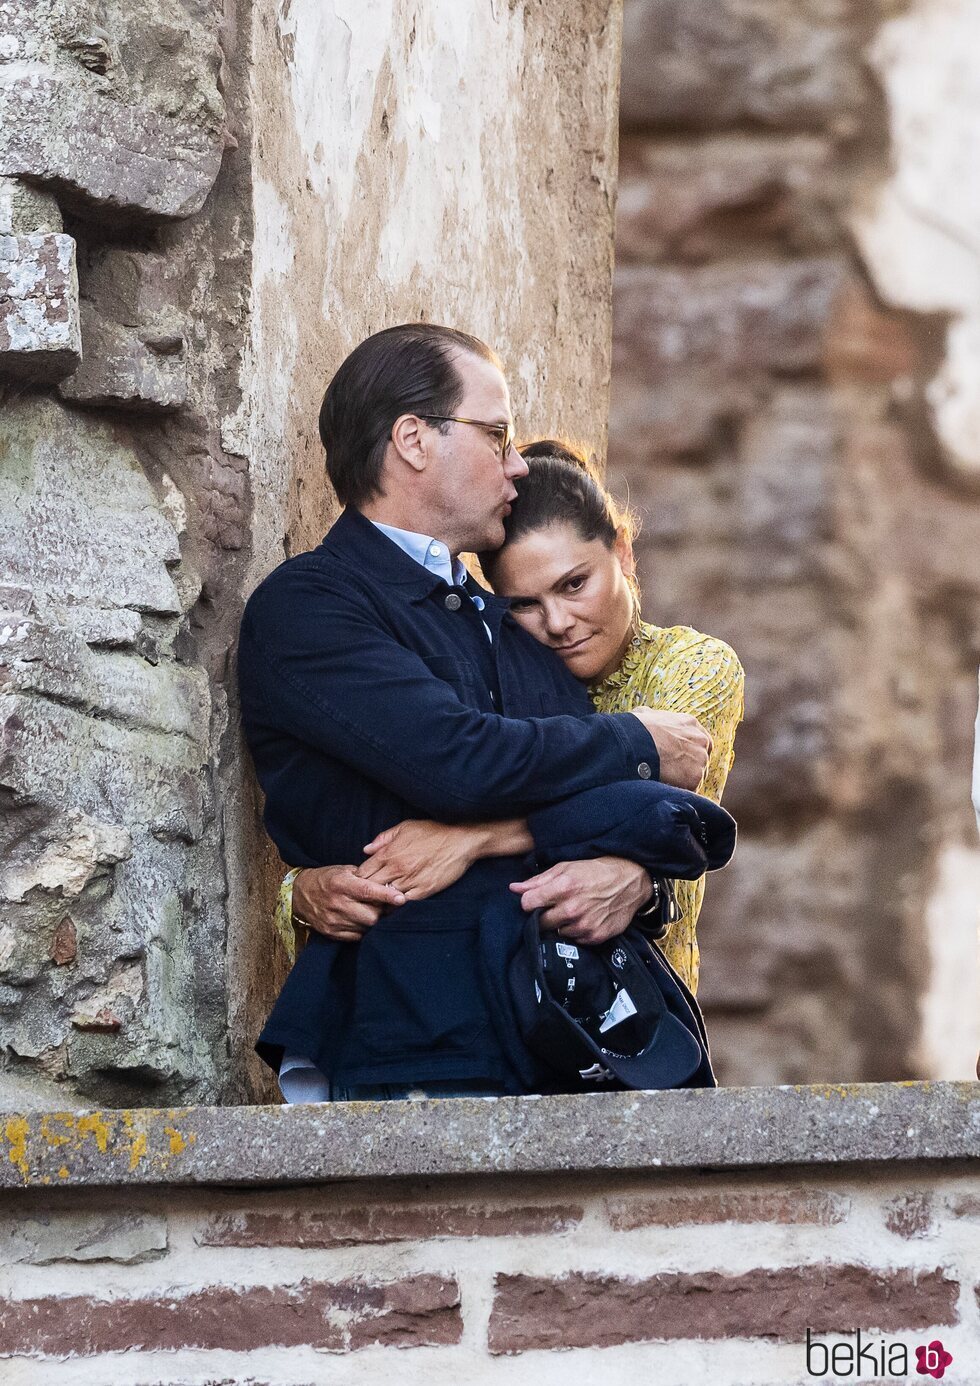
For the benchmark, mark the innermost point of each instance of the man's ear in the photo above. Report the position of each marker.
(409, 437)
(623, 549)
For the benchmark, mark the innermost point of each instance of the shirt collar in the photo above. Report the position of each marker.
(432, 554)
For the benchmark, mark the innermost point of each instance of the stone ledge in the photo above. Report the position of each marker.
(726, 1128)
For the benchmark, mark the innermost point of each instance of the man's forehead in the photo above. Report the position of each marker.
(483, 383)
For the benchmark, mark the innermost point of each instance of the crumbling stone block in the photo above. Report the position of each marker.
(24, 208)
(101, 157)
(124, 1237)
(40, 335)
(127, 368)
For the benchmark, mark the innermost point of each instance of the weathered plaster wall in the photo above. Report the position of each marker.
(441, 161)
(792, 411)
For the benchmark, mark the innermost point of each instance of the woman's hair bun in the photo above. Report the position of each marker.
(563, 451)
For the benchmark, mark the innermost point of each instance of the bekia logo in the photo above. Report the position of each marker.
(932, 1359)
(873, 1357)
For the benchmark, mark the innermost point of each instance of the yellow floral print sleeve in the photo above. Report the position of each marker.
(286, 926)
(680, 670)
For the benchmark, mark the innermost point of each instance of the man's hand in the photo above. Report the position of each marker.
(336, 902)
(589, 901)
(682, 744)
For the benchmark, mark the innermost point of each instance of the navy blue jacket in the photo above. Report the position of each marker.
(370, 694)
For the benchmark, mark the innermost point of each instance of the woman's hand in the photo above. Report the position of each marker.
(337, 902)
(587, 901)
(421, 858)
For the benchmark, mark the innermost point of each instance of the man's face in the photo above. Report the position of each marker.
(471, 481)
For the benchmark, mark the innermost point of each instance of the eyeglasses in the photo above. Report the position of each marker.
(504, 433)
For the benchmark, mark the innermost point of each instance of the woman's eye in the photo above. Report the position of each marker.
(575, 583)
(520, 604)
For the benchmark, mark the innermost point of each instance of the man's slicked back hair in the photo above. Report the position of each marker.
(408, 369)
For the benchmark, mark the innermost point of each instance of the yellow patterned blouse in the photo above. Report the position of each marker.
(678, 669)
(673, 670)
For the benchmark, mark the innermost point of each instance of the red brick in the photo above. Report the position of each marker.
(727, 1205)
(342, 1316)
(64, 944)
(384, 1223)
(582, 1310)
(909, 1215)
(865, 343)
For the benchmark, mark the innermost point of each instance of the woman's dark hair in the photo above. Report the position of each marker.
(408, 369)
(561, 487)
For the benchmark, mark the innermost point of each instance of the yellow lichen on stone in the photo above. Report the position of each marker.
(177, 1143)
(137, 1149)
(53, 1137)
(63, 1172)
(93, 1123)
(16, 1131)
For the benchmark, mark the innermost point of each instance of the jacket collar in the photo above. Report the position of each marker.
(357, 540)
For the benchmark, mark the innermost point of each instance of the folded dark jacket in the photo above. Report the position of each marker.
(669, 831)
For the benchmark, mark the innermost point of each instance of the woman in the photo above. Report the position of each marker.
(567, 567)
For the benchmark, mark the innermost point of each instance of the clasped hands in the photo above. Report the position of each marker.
(589, 901)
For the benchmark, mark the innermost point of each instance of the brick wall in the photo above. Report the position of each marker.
(668, 1277)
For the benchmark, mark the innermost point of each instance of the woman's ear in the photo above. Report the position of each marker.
(623, 549)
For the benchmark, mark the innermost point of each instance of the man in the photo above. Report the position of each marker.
(379, 682)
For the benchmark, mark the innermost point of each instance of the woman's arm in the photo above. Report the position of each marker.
(421, 857)
(705, 678)
(411, 861)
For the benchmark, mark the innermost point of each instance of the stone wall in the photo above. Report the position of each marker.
(203, 208)
(794, 398)
(124, 223)
(646, 1267)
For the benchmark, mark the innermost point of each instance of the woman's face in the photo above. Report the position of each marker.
(571, 594)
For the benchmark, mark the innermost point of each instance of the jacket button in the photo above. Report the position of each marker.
(644, 771)
(454, 601)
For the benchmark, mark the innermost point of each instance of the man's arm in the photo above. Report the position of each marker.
(316, 663)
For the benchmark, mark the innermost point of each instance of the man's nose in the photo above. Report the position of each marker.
(514, 464)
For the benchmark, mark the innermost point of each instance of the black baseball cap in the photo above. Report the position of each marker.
(609, 1013)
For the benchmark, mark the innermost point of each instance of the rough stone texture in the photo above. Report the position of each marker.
(910, 1215)
(794, 425)
(355, 1227)
(790, 1206)
(596, 1311)
(95, 114)
(124, 1237)
(39, 311)
(105, 772)
(114, 540)
(26, 208)
(693, 1128)
(134, 335)
(124, 369)
(716, 63)
(419, 1311)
